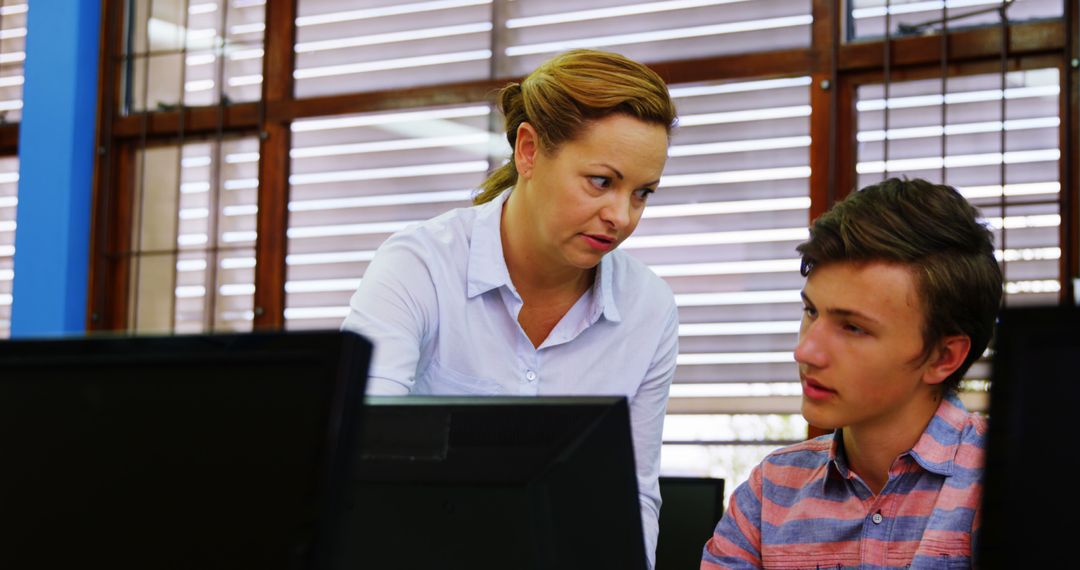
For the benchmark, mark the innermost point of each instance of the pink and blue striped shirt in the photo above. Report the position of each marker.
(804, 508)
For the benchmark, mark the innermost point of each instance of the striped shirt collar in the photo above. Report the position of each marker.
(935, 451)
(487, 266)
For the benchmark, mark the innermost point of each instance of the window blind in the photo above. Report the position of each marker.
(12, 56)
(193, 258)
(192, 53)
(9, 185)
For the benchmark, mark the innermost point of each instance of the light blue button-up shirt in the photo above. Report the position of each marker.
(439, 305)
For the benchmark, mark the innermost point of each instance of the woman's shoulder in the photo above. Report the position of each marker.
(442, 234)
(629, 272)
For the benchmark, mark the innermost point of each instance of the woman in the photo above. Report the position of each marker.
(525, 293)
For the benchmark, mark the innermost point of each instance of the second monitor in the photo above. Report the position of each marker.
(539, 483)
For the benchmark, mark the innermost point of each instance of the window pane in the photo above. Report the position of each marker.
(192, 54)
(193, 261)
(914, 17)
(12, 56)
(9, 185)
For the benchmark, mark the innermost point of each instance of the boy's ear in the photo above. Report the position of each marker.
(526, 146)
(946, 358)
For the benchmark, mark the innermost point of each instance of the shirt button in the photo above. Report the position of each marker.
(530, 376)
(876, 518)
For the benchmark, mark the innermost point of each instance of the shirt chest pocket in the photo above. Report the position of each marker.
(942, 555)
(440, 380)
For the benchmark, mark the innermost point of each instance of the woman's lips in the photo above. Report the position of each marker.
(814, 390)
(599, 242)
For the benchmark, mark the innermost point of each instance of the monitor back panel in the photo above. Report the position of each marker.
(535, 483)
(1032, 459)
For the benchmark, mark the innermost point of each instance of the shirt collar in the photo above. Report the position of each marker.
(936, 449)
(487, 266)
(837, 465)
(604, 289)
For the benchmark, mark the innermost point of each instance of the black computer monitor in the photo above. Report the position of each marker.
(477, 483)
(692, 507)
(172, 452)
(1032, 461)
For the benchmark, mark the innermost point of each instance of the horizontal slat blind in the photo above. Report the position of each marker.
(345, 46)
(12, 56)
(722, 230)
(192, 268)
(9, 185)
(868, 16)
(534, 30)
(357, 179)
(192, 53)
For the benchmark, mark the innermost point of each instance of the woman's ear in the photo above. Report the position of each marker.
(526, 147)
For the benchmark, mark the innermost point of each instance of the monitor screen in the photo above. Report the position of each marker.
(537, 483)
(1031, 455)
(171, 452)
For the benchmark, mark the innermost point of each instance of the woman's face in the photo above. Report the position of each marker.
(585, 198)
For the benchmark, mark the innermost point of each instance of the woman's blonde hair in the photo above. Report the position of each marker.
(569, 91)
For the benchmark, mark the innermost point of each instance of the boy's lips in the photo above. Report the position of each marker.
(815, 390)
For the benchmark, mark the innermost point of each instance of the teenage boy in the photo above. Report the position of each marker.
(902, 290)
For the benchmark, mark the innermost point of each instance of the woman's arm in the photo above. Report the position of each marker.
(647, 422)
(395, 307)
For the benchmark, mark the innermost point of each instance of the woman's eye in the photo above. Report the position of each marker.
(602, 182)
(809, 312)
(643, 193)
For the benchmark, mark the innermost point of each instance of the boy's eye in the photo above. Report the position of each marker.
(809, 311)
(855, 329)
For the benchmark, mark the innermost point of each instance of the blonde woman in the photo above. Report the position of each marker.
(526, 293)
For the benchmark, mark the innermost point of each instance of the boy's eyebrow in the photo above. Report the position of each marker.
(842, 312)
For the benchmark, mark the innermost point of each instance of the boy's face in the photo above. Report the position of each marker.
(860, 346)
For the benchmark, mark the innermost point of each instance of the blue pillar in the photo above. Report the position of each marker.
(56, 168)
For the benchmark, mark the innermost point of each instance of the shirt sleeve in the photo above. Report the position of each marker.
(395, 308)
(647, 424)
(736, 541)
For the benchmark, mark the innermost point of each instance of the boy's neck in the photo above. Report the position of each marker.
(872, 447)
